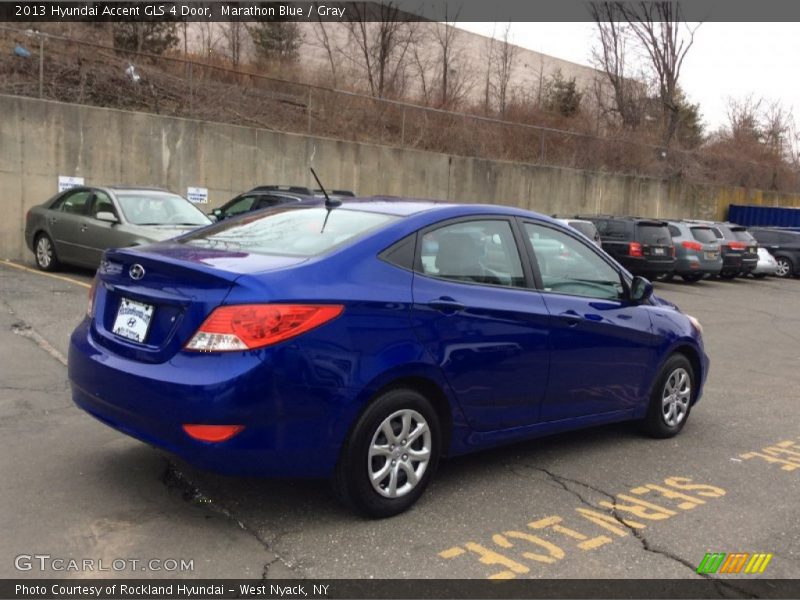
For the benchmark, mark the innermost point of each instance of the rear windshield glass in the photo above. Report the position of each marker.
(587, 229)
(291, 231)
(742, 234)
(653, 234)
(703, 234)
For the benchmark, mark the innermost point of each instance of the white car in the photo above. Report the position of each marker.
(767, 265)
(587, 228)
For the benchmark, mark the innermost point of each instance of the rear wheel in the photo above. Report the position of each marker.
(390, 456)
(692, 277)
(44, 252)
(671, 398)
(728, 275)
(785, 267)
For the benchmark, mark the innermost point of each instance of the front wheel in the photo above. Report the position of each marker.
(671, 398)
(785, 267)
(390, 455)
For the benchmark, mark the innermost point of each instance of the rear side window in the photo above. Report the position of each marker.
(674, 231)
(587, 229)
(291, 231)
(717, 233)
(240, 206)
(653, 234)
(789, 238)
(741, 234)
(473, 252)
(704, 235)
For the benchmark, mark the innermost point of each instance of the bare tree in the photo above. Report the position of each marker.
(504, 63)
(421, 62)
(235, 35)
(452, 73)
(322, 37)
(487, 82)
(666, 40)
(611, 57)
(381, 46)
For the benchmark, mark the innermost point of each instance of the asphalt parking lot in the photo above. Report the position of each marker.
(605, 502)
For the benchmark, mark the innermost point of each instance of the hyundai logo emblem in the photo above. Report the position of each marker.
(136, 272)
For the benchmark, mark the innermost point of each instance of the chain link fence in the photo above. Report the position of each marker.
(79, 71)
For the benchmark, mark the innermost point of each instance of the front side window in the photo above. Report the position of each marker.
(240, 206)
(102, 203)
(473, 252)
(569, 266)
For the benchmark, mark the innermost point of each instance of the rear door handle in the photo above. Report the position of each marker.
(446, 304)
(84, 227)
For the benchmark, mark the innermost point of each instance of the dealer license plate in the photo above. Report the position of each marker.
(659, 251)
(133, 320)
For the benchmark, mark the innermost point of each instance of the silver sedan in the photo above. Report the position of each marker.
(77, 225)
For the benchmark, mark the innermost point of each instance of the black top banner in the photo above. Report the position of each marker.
(395, 589)
(387, 10)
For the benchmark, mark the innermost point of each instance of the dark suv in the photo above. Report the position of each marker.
(739, 249)
(259, 198)
(783, 245)
(643, 246)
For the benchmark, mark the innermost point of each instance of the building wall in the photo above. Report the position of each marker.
(40, 140)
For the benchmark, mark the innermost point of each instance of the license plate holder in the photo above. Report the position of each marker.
(133, 320)
(658, 251)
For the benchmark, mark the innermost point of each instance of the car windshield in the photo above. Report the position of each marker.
(291, 231)
(703, 234)
(159, 208)
(652, 233)
(742, 234)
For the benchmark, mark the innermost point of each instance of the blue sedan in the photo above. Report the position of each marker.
(365, 342)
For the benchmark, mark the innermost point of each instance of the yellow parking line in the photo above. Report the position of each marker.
(61, 277)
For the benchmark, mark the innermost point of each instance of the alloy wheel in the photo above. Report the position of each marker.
(675, 397)
(784, 268)
(44, 252)
(399, 453)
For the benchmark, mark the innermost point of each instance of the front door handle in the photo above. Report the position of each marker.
(446, 304)
(570, 317)
(84, 227)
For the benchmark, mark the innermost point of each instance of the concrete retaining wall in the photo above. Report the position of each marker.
(40, 140)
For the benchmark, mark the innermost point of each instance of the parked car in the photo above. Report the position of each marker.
(739, 249)
(77, 225)
(273, 352)
(697, 252)
(587, 228)
(767, 265)
(643, 246)
(260, 199)
(783, 245)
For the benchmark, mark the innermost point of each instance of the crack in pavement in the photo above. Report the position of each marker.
(174, 479)
(561, 480)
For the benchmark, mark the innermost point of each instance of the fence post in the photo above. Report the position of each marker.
(403, 129)
(541, 153)
(41, 66)
(191, 89)
(308, 110)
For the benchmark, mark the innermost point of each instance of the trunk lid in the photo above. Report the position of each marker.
(150, 300)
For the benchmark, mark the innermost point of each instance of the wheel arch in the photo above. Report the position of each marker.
(693, 356)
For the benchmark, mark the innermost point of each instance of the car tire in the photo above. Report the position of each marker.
(44, 253)
(665, 277)
(759, 275)
(729, 275)
(376, 469)
(692, 277)
(785, 267)
(671, 398)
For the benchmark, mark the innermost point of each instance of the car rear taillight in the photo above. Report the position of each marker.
(635, 249)
(736, 245)
(692, 245)
(90, 305)
(250, 326)
(212, 433)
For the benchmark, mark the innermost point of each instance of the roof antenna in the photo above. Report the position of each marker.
(330, 204)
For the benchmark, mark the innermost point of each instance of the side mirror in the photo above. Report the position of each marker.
(217, 212)
(212, 217)
(106, 216)
(641, 290)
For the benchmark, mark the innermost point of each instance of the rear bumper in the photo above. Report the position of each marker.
(738, 263)
(289, 429)
(692, 264)
(648, 267)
